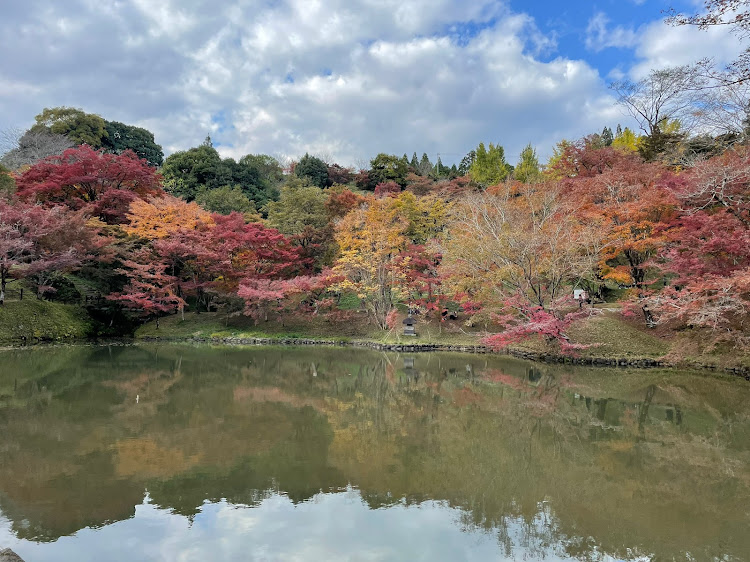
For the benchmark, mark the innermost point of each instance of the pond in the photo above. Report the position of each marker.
(177, 452)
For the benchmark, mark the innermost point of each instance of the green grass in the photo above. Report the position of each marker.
(612, 336)
(217, 325)
(32, 319)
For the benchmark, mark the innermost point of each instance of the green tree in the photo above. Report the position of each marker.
(385, 168)
(466, 162)
(225, 200)
(440, 170)
(425, 166)
(300, 205)
(7, 183)
(79, 126)
(527, 170)
(313, 168)
(122, 137)
(187, 172)
(607, 136)
(268, 167)
(414, 164)
(489, 167)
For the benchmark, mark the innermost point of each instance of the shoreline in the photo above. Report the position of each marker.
(538, 357)
(524, 354)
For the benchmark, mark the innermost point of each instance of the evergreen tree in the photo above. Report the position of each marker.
(414, 164)
(425, 166)
(440, 169)
(466, 162)
(313, 168)
(607, 136)
(489, 167)
(527, 170)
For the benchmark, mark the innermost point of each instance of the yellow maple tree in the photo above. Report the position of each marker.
(160, 216)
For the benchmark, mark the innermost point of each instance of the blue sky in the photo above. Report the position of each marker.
(343, 79)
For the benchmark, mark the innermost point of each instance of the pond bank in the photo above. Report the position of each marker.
(629, 362)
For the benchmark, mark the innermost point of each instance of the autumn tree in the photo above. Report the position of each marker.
(628, 204)
(517, 248)
(338, 175)
(370, 240)
(383, 250)
(340, 201)
(82, 178)
(708, 251)
(389, 188)
(40, 243)
(626, 139)
(582, 159)
(161, 216)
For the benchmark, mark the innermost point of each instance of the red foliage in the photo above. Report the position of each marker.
(389, 189)
(525, 319)
(339, 204)
(709, 252)
(252, 250)
(38, 242)
(582, 159)
(150, 289)
(82, 178)
(420, 268)
(630, 206)
(339, 175)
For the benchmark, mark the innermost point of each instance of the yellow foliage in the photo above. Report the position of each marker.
(160, 217)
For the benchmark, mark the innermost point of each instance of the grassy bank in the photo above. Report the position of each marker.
(609, 335)
(32, 320)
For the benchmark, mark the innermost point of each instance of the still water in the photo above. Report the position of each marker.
(173, 452)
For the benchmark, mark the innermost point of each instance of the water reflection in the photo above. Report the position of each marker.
(388, 456)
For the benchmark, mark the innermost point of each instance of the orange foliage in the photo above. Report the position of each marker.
(161, 216)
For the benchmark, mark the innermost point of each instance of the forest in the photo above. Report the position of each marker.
(656, 224)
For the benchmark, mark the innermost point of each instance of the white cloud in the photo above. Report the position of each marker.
(599, 36)
(344, 78)
(662, 46)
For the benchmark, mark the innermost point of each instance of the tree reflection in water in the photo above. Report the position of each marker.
(548, 460)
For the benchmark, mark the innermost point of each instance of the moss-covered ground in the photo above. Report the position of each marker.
(31, 319)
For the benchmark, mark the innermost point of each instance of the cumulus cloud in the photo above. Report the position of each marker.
(344, 78)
